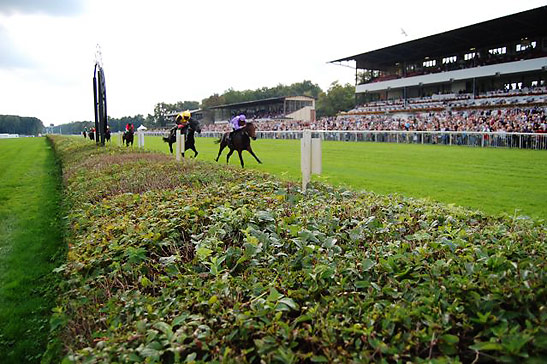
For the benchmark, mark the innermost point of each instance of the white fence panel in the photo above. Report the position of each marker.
(472, 139)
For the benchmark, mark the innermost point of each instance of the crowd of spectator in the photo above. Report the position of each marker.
(525, 96)
(521, 120)
(522, 111)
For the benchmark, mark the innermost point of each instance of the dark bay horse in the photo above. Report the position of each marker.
(241, 140)
(107, 135)
(190, 141)
(91, 135)
(127, 137)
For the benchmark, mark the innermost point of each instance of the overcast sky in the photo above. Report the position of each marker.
(168, 51)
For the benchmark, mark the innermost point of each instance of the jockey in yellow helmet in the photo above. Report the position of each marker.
(181, 120)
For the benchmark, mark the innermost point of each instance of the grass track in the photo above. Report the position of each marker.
(492, 180)
(30, 240)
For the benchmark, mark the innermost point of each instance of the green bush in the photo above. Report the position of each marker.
(181, 262)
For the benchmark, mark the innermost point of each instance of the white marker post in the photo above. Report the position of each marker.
(120, 139)
(179, 144)
(140, 139)
(310, 157)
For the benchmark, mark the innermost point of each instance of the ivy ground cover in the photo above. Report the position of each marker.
(193, 262)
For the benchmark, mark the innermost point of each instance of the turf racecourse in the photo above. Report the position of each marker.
(494, 180)
(30, 243)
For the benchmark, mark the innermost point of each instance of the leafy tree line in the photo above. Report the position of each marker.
(13, 124)
(328, 103)
(116, 124)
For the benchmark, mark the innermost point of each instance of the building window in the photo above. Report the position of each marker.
(451, 59)
(525, 46)
(469, 56)
(513, 86)
(430, 63)
(500, 50)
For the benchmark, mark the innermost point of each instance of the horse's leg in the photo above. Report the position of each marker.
(195, 152)
(250, 150)
(222, 146)
(228, 156)
(240, 158)
(171, 147)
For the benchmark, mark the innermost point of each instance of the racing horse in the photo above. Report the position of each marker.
(240, 141)
(190, 142)
(127, 137)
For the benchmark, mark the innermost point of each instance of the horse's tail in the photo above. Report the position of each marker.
(218, 141)
(166, 139)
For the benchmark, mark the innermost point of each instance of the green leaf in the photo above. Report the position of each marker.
(203, 253)
(303, 318)
(289, 302)
(362, 284)
(59, 269)
(319, 359)
(145, 282)
(450, 339)
(274, 295)
(368, 264)
(179, 320)
(163, 327)
(487, 346)
(264, 216)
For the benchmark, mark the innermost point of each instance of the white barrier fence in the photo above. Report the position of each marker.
(473, 139)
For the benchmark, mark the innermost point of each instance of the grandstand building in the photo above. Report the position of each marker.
(507, 53)
(289, 107)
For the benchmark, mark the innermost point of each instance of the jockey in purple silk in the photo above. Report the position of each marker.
(237, 123)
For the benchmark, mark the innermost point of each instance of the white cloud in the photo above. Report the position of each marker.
(10, 56)
(50, 7)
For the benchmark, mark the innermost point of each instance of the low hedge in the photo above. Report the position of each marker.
(182, 262)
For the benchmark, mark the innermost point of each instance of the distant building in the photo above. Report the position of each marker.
(288, 107)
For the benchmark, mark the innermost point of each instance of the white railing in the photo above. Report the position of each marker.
(468, 138)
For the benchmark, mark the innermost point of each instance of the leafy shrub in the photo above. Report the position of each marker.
(193, 262)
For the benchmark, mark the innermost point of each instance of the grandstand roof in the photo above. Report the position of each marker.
(530, 23)
(271, 100)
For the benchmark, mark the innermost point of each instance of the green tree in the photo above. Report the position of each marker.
(160, 113)
(14, 124)
(186, 105)
(337, 98)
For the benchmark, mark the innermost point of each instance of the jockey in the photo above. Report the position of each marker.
(129, 127)
(237, 122)
(182, 122)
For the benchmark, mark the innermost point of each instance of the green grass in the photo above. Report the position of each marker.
(30, 243)
(492, 180)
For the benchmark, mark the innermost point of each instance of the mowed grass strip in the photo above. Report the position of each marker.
(493, 180)
(30, 246)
